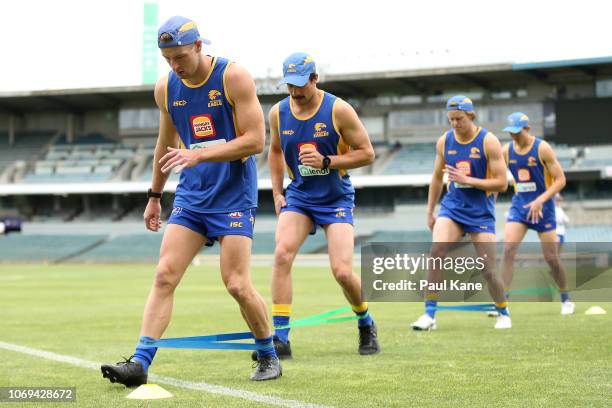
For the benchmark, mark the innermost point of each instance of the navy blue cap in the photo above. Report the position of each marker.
(460, 102)
(182, 30)
(516, 122)
(297, 69)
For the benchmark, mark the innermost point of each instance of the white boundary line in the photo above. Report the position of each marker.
(199, 386)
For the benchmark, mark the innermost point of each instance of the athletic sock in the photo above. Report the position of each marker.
(362, 312)
(268, 349)
(430, 308)
(281, 314)
(502, 308)
(145, 355)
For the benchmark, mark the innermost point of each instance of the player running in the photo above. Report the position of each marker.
(472, 157)
(538, 177)
(208, 104)
(317, 137)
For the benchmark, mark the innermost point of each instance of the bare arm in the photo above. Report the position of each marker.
(354, 134)
(167, 137)
(435, 187)
(547, 155)
(250, 127)
(276, 162)
(499, 179)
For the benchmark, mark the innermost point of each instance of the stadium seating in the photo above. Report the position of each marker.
(28, 144)
(596, 157)
(417, 158)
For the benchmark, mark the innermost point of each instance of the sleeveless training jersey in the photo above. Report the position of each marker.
(465, 204)
(310, 186)
(203, 115)
(531, 179)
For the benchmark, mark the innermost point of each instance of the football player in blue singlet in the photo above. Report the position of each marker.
(538, 177)
(472, 157)
(209, 106)
(317, 137)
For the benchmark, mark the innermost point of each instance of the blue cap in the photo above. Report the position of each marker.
(460, 102)
(183, 31)
(297, 69)
(516, 122)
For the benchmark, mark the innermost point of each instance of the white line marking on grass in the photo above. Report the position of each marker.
(199, 386)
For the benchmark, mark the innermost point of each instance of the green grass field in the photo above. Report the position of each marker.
(92, 312)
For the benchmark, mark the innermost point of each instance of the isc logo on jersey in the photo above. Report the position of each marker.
(307, 171)
(320, 130)
(215, 98)
(202, 126)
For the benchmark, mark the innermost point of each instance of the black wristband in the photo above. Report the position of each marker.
(153, 194)
(326, 162)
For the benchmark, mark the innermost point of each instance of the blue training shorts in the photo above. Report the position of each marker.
(545, 224)
(214, 225)
(465, 223)
(322, 215)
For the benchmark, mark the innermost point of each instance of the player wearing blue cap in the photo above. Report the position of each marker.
(538, 177)
(317, 137)
(209, 106)
(472, 158)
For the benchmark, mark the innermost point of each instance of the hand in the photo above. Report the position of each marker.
(179, 159)
(431, 220)
(279, 202)
(456, 175)
(311, 157)
(152, 215)
(535, 213)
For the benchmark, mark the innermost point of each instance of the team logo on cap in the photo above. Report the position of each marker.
(524, 117)
(213, 94)
(319, 130)
(531, 161)
(308, 60)
(475, 153)
(291, 68)
(203, 126)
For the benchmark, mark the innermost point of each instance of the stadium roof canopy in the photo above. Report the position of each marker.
(431, 81)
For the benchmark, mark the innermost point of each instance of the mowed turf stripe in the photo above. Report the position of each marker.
(199, 386)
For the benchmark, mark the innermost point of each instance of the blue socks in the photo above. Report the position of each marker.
(282, 334)
(564, 296)
(364, 321)
(269, 347)
(430, 306)
(144, 355)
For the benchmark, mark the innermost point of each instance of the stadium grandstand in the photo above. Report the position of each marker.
(75, 164)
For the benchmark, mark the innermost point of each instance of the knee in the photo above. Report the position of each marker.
(237, 288)
(166, 277)
(343, 274)
(551, 259)
(284, 255)
(509, 252)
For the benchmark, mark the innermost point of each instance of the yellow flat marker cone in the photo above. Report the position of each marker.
(149, 392)
(595, 310)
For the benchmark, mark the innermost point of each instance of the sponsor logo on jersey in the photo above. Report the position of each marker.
(236, 214)
(464, 166)
(288, 132)
(475, 153)
(306, 145)
(451, 152)
(215, 98)
(236, 224)
(182, 102)
(203, 126)
(307, 171)
(320, 130)
(177, 210)
(341, 214)
(524, 175)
